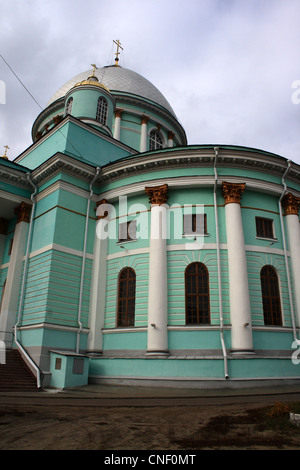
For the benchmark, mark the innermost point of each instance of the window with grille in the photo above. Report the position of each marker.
(101, 113)
(197, 304)
(195, 224)
(270, 296)
(264, 227)
(69, 106)
(155, 140)
(126, 297)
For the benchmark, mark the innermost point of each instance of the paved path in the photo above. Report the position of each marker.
(118, 396)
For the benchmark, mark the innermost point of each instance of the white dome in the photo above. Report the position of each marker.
(118, 79)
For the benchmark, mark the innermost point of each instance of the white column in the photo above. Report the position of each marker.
(291, 205)
(10, 300)
(98, 284)
(117, 129)
(240, 312)
(158, 288)
(143, 144)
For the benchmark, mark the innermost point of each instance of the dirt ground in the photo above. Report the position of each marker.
(32, 426)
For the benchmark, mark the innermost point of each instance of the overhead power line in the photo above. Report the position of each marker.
(11, 69)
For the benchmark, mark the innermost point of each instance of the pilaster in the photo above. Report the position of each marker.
(98, 285)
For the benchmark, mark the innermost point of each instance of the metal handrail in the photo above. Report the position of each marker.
(30, 362)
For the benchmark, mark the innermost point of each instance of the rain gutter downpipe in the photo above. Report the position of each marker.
(83, 260)
(21, 303)
(285, 249)
(216, 150)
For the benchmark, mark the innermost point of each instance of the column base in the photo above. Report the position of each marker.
(157, 353)
(94, 352)
(243, 351)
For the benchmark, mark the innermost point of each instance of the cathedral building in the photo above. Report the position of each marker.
(128, 256)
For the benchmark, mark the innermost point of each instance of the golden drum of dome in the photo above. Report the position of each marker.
(93, 82)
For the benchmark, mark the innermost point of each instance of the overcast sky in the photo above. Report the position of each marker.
(227, 67)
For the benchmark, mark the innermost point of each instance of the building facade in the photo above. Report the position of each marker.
(128, 256)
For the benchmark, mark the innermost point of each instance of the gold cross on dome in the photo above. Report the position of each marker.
(117, 42)
(6, 148)
(95, 67)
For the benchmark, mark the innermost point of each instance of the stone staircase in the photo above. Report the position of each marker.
(15, 375)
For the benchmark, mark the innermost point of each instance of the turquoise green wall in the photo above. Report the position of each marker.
(193, 368)
(85, 103)
(77, 141)
(91, 147)
(52, 289)
(52, 338)
(130, 132)
(197, 339)
(136, 340)
(60, 218)
(273, 339)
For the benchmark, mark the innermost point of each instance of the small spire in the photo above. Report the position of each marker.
(117, 42)
(5, 156)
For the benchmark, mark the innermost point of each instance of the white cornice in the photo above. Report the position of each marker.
(63, 185)
(192, 181)
(200, 157)
(62, 163)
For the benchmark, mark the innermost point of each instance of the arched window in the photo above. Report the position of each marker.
(69, 106)
(197, 308)
(155, 140)
(270, 296)
(126, 297)
(101, 112)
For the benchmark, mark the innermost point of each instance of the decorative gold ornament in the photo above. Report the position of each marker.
(118, 113)
(5, 156)
(232, 192)
(117, 42)
(291, 204)
(144, 119)
(102, 214)
(94, 68)
(23, 212)
(158, 194)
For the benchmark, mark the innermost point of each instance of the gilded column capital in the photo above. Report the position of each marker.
(3, 226)
(100, 213)
(118, 113)
(232, 192)
(23, 212)
(157, 194)
(144, 119)
(291, 204)
(171, 135)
